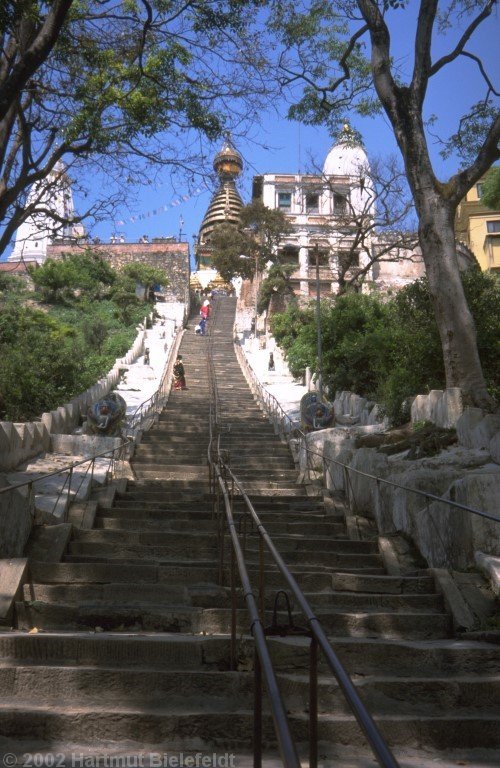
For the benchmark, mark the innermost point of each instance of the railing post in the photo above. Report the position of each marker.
(257, 712)
(233, 610)
(313, 704)
(262, 588)
(31, 499)
(69, 494)
(346, 488)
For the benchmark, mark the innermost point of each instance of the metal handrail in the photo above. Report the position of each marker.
(69, 467)
(265, 396)
(263, 666)
(379, 747)
(157, 400)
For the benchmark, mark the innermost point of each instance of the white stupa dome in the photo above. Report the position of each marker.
(347, 157)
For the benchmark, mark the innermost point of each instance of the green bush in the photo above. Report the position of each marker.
(389, 350)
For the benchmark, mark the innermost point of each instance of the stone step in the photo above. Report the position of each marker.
(94, 570)
(166, 552)
(347, 582)
(320, 574)
(251, 469)
(358, 601)
(189, 619)
(362, 657)
(424, 696)
(284, 543)
(300, 508)
(104, 520)
(211, 595)
(152, 491)
(188, 510)
(230, 729)
(183, 689)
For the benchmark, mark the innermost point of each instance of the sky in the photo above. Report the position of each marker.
(280, 145)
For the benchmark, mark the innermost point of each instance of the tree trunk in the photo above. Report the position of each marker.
(454, 320)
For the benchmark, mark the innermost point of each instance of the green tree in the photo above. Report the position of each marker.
(228, 245)
(145, 275)
(276, 285)
(40, 362)
(113, 87)
(240, 251)
(344, 54)
(491, 189)
(390, 350)
(64, 279)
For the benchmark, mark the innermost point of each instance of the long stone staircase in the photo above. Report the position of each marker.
(131, 653)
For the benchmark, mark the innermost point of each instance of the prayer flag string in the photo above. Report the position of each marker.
(177, 201)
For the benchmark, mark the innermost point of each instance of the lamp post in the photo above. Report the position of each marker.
(256, 314)
(318, 326)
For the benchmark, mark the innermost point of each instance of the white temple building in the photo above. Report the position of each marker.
(327, 211)
(40, 230)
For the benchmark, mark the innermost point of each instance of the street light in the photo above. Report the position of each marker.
(318, 326)
(243, 256)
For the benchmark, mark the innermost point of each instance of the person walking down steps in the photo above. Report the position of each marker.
(179, 374)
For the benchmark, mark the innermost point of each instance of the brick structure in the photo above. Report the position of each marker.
(171, 256)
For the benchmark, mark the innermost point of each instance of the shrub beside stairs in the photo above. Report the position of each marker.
(132, 652)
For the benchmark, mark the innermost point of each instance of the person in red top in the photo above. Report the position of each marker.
(205, 310)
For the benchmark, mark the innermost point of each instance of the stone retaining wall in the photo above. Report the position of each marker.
(468, 474)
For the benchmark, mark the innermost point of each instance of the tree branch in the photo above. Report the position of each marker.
(36, 53)
(460, 184)
(459, 48)
(423, 41)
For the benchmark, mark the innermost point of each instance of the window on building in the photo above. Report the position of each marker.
(493, 226)
(323, 257)
(284, 201)
(339, 204)
(479, 190)
(312, 202)
(289, 255)
(325, 289)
